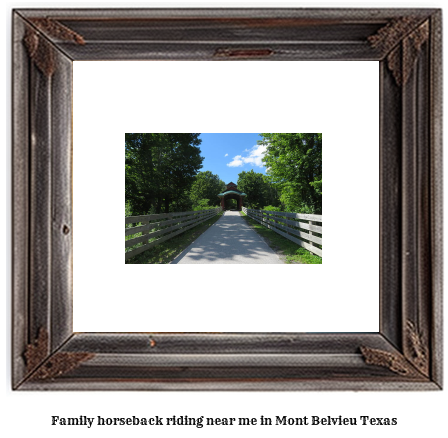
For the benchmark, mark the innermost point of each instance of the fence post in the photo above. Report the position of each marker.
(145, 232)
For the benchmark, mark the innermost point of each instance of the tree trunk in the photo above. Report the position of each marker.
(167, 204)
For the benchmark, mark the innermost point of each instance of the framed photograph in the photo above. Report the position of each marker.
(404, 354)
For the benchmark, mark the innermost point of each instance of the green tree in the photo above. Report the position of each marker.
(294, 163)
(271, 195)
(257, 189)
(206, 185)
(160, 168)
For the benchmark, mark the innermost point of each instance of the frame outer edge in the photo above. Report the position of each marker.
(163, 386)
(419, 338)
(436, 137)
(42, 139)
(25, 202)
(248, 12)
(20, 200)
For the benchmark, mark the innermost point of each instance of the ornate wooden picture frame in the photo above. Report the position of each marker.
(406, 353)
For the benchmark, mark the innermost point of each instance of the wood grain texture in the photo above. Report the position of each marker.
(391, 233)
(396, 363)
(185, 221)
(20, 201)
(270, 220)
(156, 217)
(436, 196)
(40, 200)
(410, 203)
(172, 234)
(61, 313)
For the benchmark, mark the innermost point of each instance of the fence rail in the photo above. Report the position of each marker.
(303, 229)
(161, 226)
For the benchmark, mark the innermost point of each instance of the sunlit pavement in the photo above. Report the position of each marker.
(229, 240)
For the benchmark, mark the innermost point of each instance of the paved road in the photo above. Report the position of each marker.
(229, 240)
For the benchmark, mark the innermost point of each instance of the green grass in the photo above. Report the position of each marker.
(294, 253)
(167, 251)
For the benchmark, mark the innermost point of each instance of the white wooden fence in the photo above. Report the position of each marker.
(303, 229)
(166, 225)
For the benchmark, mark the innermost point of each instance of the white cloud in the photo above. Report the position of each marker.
(226, 155)
(254, 157)
(236, 162)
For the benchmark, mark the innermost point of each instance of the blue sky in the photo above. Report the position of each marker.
(227, 155)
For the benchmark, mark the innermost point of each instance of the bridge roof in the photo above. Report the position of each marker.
(229, 192)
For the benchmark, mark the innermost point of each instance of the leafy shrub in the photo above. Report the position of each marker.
(202, 204)
(272, 208)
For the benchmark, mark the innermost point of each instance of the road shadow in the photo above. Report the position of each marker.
(229, 240)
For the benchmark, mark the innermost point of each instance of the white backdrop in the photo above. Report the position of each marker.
(24, 413)
(339, 99)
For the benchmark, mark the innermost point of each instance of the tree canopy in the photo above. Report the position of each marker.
(294, 163)
(206, 186)
(160, 168)
(163, 174)
(260, 192)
